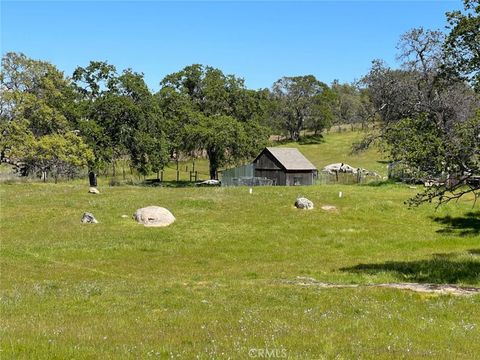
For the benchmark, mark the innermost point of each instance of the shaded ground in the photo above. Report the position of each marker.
(439, 270)
(462, 225)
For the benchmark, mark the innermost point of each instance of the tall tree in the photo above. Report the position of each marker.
(428, 121)
(297, 102)
(120, 117)
(38, 112)
(463, 43)
(352, 104)
(208, 110)
(223, 138)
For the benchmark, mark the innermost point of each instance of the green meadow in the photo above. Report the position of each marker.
(222, 282)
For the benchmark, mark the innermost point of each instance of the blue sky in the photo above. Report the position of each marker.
(258, 41)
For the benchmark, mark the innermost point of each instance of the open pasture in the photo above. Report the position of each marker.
(223, 279)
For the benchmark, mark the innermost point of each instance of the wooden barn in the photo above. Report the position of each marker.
(285, 166)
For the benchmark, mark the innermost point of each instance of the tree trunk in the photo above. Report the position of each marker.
(212, 162)
(294, 135)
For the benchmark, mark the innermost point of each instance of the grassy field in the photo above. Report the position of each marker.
(222, 281)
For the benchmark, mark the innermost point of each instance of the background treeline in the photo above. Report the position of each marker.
(425, 114)
(52, 123)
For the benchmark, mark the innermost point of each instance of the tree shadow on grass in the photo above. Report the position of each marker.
(474, 251)
(169, 183)
(462, 226)
(311, 139)
(379, 183)
(439, 270)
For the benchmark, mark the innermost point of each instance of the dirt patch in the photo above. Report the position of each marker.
(417, 287)
(329, 208)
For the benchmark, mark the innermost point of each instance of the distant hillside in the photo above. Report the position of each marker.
(336, 147)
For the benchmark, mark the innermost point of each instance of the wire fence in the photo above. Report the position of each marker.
(325, 177)
(249, 181)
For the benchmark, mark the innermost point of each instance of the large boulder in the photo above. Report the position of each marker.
(88, 218)
(154, 216)
(303, 203)
(339, 167)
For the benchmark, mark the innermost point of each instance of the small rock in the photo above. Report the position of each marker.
(154, 216)
(93, 190)
(88, 218)
(329, 208)
(303, 203)
(124, 216)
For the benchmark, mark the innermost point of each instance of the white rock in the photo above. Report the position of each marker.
(154, 216)
(93, 190)
(303, 203)
(88, 218)
(211, 182)
(339, 167)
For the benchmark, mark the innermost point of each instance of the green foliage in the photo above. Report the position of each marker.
(37, 109)
(417, 143)
(463, 42)
(323, 111)
(352, 104)
(301, 102)
(121, 118)
(226, 140)
(95, 79)
(60, 154)
(207, 110)
(427, 115)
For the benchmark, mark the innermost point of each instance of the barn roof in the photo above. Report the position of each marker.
(290, 158)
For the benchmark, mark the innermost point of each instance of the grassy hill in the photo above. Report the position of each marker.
(235, 274)
(336, 148)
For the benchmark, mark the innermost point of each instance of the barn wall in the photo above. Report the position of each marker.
(267, 166)
(278, 176)
(289, 179)
(299, 178)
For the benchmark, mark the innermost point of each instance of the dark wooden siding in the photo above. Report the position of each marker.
(267, 162)
(278, 176)
(267, 166)
(300, 178)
